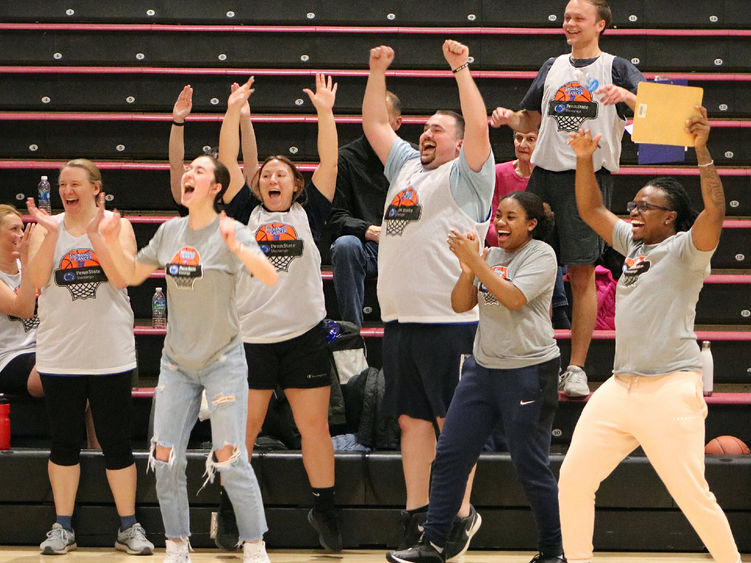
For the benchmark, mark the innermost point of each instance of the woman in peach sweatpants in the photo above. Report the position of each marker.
(654, 399)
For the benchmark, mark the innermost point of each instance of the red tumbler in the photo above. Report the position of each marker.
(4, 425)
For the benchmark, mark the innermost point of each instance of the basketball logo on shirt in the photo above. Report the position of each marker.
(279, 242)
(487, 297)
(404, 208)
(571, 106)
(633, 268)
(80, 272)
(185, 267)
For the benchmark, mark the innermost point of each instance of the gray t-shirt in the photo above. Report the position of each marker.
(472, 191)
(655, 303)
(200, 272)
(509, 339)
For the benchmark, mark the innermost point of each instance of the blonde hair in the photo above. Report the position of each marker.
(6, 209)
(95, 176)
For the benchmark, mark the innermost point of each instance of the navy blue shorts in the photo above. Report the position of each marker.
(575, 243)
(303, 362)
(421, 365)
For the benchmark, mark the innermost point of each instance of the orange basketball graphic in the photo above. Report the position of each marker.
(573, 92)
(81, 258)
(186, 256)
(405, 198)
(276, 231)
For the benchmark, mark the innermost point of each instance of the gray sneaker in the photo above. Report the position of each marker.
(59, 541)
(134, 541)
(573, 382)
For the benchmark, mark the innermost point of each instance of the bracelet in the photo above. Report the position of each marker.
(460, 67)
(710, 163)
(178, 123)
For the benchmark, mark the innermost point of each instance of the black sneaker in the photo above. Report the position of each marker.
(540, 558)
(412, 527)
(227, 537)
(327, 526)
(461, 534)
(422, 552)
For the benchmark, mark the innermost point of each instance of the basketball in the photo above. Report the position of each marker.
(726, 445)
(573, 92)
(276, 231)
(82, 258)
(405, 198)
(186, 256)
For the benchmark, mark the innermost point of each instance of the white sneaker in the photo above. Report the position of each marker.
(177, 552)
(573, 382)
(255, 552)
(134, 541)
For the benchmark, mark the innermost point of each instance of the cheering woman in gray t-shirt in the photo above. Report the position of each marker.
(512, 377)
(201, 254)
(654, 399)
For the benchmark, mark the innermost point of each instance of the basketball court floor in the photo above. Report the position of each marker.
(27, 554)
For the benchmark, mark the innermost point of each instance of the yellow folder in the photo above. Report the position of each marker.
(661, 113)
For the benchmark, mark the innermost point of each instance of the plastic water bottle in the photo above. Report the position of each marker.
(4, 424)
(707, 367)
(159, 309)
(44, 195)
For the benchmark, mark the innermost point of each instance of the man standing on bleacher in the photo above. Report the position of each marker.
(447, 184)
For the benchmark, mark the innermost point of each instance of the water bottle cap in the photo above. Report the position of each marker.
(44, 177)
(159, 289)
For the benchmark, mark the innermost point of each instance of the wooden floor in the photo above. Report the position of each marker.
(26, 554)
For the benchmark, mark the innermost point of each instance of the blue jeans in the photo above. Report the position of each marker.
(525, 400)
(177, 400)
(353, 260)
(559, 291)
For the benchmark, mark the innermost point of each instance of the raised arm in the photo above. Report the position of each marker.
(523, 120)
(466, 248)
(229, 139)
(180, 112)
(248, 143)
(708, 225)
(588, 197)
(20, 303)
(256, 264)
(120, 248)
(41, 245)
(476, 135)
(323, 99)
(126, 239)
(375, 117)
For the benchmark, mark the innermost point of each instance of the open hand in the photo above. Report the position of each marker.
(41, 216)
(183, 105)
(325, 93)
(583, 143)
(466, 247)
(245, 108)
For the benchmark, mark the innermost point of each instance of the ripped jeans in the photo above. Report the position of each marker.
(177, 401)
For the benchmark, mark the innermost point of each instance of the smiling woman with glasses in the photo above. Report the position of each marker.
(654, 398)
(642, 206)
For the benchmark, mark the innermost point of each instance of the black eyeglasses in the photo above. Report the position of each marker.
(642, 206)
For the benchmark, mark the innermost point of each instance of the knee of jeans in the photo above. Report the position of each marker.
(229, 454)
(160, 454)
(345, 245)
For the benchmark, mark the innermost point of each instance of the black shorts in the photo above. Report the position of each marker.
(421, 365)
(15, 375)
(303, 362)
(575, 243)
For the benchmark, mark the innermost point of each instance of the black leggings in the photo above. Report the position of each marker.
(111, 407)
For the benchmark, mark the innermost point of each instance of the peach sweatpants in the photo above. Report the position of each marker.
(665, 416)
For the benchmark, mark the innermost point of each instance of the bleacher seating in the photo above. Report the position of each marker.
(63, 98)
